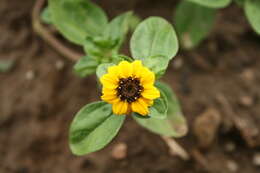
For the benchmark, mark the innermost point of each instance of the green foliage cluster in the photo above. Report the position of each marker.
(153, 41)
(194, 19)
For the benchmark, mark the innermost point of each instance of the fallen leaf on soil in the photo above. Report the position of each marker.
(206, 126)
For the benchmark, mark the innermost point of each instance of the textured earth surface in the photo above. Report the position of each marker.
(217, 84)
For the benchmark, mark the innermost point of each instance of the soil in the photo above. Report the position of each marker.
(40, 95)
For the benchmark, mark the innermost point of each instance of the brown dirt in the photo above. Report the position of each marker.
(38, 100)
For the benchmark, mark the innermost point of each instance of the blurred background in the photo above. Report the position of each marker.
(217, 84)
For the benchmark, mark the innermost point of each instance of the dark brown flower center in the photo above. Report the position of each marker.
(129, 89)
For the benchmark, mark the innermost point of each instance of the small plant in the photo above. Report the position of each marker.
(194, 19)
(130, 85)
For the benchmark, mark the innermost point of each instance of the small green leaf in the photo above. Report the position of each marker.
(193, 23)
(158, 64)
(93, 128)
(77, 19)
(252, 9)
(134, 21)
(102, 69)
(100, 48)
(117, 58)
(160, 107)
(155, 43)
(159, 126)
(92, 48)
(117, 29)
(212, 3)
(154, 37)
(174, 124)
(6, 65)
(240, 2)
(86, 66)
(46, 16)
(175, 114)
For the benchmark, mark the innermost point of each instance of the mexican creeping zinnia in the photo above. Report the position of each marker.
(129, 87)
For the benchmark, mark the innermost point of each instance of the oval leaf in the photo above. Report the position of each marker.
(174, 125)
(154, 37)
(160, 126)
(252, 9)
(212, 3)
(193, 23)
(175, 114)
(85, 66)
(160, 107)
(117, 29)
(93, 127)
(102, 69)
(76, 19)
(46, 16)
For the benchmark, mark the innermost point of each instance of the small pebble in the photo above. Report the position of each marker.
(59, 64)
(30, 75)
(256, 159)
(178, 63)
(230, 146)
(248, 75)
(246, 101)
(232, 166)
(119, 151)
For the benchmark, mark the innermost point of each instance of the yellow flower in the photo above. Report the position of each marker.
(129, 87)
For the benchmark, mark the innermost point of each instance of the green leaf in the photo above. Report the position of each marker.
(86, 66)
(100, 48)
(117, 29)
(160, 126)
(93, 127)
(102, 69)
(134, 21)
(174, 125)
(154, 37)
(155, 43)
(240, 2)
(117, 58)
(158, 64)
(175, 114)
(76, 19)
(46, 16)
(212, 3)
(252, 10)
(193, 23)
(159, 108)
(6, 65)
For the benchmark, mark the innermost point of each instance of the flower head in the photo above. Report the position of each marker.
(129, 87)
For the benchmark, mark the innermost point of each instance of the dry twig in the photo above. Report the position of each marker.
(175, 148)
(47, 34)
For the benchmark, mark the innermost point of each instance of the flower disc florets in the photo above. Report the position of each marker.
(129, 87)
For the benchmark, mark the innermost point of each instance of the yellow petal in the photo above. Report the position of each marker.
(147, 77)
(120, 107)
(113, 70)
(151, 93)
(109, 81)
(109, 98)
(137, 68)
(140, 106)
(149, 102)
(126, 69)
(108, 91)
